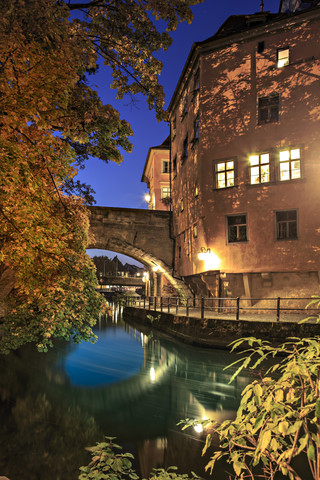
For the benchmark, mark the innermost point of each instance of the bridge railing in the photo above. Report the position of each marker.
(291, 309)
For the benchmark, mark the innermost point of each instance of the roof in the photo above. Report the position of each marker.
(165, 145)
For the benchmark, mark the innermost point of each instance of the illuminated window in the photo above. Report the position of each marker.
(196, 191)
(237, 228)
(268, 109)
(225, 174)
(259, 168)
(195, 231)
(185, 148)
(282, 57)
(290, 167)
(181, 205)
(165, 192)
(165, 166)
(286, 225)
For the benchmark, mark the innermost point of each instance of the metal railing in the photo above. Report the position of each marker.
(234, 308)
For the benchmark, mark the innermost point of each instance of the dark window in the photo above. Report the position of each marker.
(196, 127)
(174, 163)
(268, 109)
(185, 107)
(185, 148)
(174, 127)
(237, 228)
(260, 47)
(179, 252)
(286, 224)
(165, 166)
(196, 83)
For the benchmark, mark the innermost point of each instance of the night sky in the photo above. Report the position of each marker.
(120, 185)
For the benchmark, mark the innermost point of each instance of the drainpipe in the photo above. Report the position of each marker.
(171, 192)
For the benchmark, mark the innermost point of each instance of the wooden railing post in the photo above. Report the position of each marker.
(202, 308)
(278, 309)
(238, 308)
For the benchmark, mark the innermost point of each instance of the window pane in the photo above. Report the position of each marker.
(229, 166)
(292, 230)
(265, 158)
(284, 155)
(232, 234)
(295, 169)
(254, 175)
(221, 183)
(254, 160)
(230, 179)
(221, 166)
(284, 171)
(295, 153)
(264, 173)
(242, 233)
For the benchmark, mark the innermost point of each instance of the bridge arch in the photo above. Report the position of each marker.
(141, 234)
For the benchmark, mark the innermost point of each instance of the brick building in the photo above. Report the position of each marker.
(245, 156)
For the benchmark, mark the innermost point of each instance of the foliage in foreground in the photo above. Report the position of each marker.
(279, 414)
(51, 122)
(109, 465)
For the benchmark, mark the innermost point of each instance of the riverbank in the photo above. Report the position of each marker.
(217, 332)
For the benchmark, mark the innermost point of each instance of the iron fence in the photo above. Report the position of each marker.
(233, 308)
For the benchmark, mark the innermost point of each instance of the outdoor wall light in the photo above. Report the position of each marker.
(147, 197)
(155, 268)
(145, 276)
(211, 260)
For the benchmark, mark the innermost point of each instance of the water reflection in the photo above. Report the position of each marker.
(130, 385)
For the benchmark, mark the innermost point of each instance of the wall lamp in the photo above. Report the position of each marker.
(147, 197)
(211, 260)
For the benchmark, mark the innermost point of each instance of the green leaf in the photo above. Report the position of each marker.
(317, 409)
(311, 452)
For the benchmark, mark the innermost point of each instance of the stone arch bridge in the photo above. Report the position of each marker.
(144, 235)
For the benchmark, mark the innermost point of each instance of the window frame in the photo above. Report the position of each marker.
(268, 109)
(282, 49)
(238, 236)
(260, 166)
(290, 161)
(286, 222)
(166, 170)
(216, 172)
(185, 148)
(168, 193)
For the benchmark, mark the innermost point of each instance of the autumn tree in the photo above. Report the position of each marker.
(51, 122)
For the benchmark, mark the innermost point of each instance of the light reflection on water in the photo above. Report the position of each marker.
(132, 386)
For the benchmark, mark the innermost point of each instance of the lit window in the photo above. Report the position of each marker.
(268, 109)
(259, 168)
(196, 191)
(225, 174)
(286, 225)
(282, 57)
(195, 231)
(237, 228)
(165, 192)
(289, 165)
(185, 148)
(165, 166)
(181, 205)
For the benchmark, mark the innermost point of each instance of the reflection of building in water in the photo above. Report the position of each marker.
(245, 120)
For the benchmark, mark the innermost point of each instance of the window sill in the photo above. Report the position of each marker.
(216, 189)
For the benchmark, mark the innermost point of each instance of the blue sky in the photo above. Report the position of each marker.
(120, 185)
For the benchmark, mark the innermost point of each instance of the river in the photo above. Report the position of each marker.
(128, 385)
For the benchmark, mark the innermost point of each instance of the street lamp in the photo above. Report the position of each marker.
(147, 197)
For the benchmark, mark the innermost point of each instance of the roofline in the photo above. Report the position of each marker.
(157, 147)
(212, 44)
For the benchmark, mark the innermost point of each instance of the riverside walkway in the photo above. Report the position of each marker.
(289, 310)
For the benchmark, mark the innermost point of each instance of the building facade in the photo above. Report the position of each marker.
(245, 157)
(156, 175)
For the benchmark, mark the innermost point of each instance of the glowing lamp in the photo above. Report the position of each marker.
(147, 197)
(211, 260)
